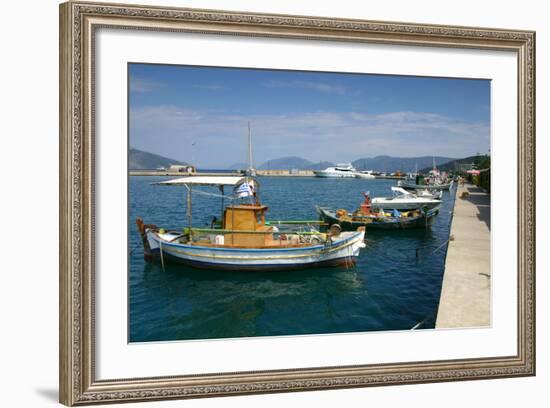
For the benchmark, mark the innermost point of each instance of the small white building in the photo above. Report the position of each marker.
(182, 168)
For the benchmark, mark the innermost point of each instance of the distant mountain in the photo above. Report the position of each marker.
(320, 165)
(140, 160)
(282, 163)
(378, 163)
(405, 164)
(453, 165)
(237, 166)
(293, 162)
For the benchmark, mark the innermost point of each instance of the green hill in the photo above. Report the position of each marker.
(140, 160)
(378, 163)
(390, 164)
(481, 161)
(293, 162)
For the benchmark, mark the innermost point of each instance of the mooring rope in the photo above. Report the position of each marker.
(136, 246)
(161, 256)
(420, 323)
(379, 297)
(441, 246)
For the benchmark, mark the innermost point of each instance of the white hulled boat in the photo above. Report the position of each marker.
(343, 170)
(438, 194)
(404, 200)
(367, 174)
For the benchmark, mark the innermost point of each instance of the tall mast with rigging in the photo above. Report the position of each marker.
(250, 171)
(250, 163)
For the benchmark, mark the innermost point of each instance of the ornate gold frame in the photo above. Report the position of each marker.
(78, 22)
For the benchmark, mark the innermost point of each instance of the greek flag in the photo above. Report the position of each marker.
(246, 189)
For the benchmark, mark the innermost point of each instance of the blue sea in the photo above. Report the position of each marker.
(394, 286)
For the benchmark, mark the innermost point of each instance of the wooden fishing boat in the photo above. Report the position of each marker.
(244, 241)
(378, 219)
(348, 222)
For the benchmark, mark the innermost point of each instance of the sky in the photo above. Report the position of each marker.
(200, 114)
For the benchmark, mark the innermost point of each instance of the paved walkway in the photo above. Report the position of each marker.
(466, 292)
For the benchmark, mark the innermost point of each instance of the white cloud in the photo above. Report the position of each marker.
(322, 87)
(142, 85)
(315, 86)
(164, 117)
(210, 87)
(336, 136)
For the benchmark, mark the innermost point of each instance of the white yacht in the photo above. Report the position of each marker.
(368, 174)
(343, 170)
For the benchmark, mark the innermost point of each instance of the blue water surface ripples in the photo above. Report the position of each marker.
(394, 286)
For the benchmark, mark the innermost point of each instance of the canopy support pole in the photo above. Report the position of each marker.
(222, 190)
(232, 222)
(189, 208)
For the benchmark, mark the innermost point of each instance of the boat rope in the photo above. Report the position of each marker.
(380, 298)
(353, 262)
(161, 256)
(206, 193)
(349, 264)
(419, 252)
(136, 246)
(441, 246)
(421, 322)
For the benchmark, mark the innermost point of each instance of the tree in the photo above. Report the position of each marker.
(483, 162)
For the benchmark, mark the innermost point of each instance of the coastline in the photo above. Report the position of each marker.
(259, 173)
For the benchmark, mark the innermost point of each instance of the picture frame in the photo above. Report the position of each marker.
(79, 22)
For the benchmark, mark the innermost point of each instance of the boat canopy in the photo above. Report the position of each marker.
(205, 181)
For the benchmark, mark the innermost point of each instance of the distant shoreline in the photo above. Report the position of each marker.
(260, 173)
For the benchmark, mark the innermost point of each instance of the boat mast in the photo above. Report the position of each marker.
(250, 164)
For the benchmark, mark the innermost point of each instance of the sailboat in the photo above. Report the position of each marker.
(433, 183)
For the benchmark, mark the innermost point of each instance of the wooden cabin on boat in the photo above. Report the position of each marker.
(247, 217)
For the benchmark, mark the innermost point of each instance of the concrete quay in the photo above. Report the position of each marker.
(465, 299)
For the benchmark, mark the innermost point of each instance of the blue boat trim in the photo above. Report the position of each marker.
(347, 260)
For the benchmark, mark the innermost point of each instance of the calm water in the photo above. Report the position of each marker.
(395, 285)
